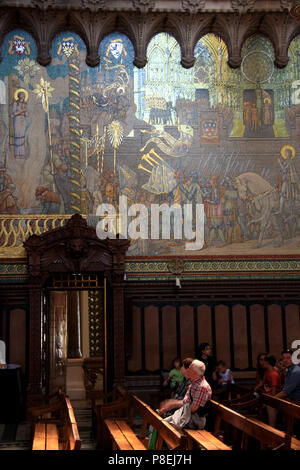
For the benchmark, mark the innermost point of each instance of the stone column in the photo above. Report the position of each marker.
(74, 339)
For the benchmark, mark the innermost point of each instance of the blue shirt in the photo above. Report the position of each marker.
(292, 382)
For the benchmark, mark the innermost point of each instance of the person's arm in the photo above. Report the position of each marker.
(259, 385)
(282, 395)
(167, 381)
(194, 408)
(289, 386)
(200, 399)
(168, 405)
(215, 376)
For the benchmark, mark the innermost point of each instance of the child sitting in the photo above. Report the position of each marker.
(175, 378)
(223, 375)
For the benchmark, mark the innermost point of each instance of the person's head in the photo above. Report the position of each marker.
(279, 364)
(21, 96)
(287, 357)
(205, 349)
(40, 192)
(192, 368)
(176, 364)
(288, 153)
(221, 366)
(260, 360)
(269, 361)
(260, 364)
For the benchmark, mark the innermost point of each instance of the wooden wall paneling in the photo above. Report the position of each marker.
(292, 319)
(249, 337)
(3, 324)
(151, 338)
(169, 335)
(187, 331)
(7, 335)
(266, 328)
(283, 326)
(17, 337)
(204, 324)
(178, 330)
(257, 331)
(222, 333)
(240, 336)
(275, 329)
(135, 359)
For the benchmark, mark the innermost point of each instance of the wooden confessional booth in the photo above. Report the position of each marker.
(72, 257)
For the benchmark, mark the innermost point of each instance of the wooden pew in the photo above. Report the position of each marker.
(249, 427)
(120, 434)
(255, 406)
(116, 396)
(291, 411)
(54, 426)
(206, 440)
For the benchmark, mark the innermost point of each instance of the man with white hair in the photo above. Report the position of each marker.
(195, 403)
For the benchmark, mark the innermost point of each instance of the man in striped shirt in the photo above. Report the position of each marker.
(197, 396)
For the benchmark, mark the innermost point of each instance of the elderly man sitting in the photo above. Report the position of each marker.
(192, 409)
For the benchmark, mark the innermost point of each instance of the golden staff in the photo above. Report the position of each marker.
(103, 149)
(49, 135)
(43, 90)
(98, 151)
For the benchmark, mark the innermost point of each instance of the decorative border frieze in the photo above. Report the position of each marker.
(140, 20)
(210, 269)
(187, 269)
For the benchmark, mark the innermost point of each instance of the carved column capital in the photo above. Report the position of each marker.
(242, 6)
(143, 5)
(94, 5)
(193, 6)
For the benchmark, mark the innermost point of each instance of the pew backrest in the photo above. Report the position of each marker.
(61, 415)
(165, 431)
(249, 427)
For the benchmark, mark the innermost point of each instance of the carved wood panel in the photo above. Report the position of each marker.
(77, 248)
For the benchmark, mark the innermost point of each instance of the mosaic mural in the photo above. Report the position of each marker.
(73, 137)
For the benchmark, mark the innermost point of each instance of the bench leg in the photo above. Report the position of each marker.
(190, 444)
(106, 441)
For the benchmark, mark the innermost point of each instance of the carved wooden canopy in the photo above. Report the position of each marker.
(187, 20)
(74, 248)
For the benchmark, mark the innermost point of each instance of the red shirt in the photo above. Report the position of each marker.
(272, 379)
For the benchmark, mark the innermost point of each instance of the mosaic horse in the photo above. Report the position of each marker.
(255, 189)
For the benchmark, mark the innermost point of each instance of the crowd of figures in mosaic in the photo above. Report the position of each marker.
(73, 136)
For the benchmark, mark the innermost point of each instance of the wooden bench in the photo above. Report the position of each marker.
(291, 412)
(294, 444)
(206, 440)
(248, 427)
(100, 399)
(120, 434)
(54, 426)
(254, 407)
